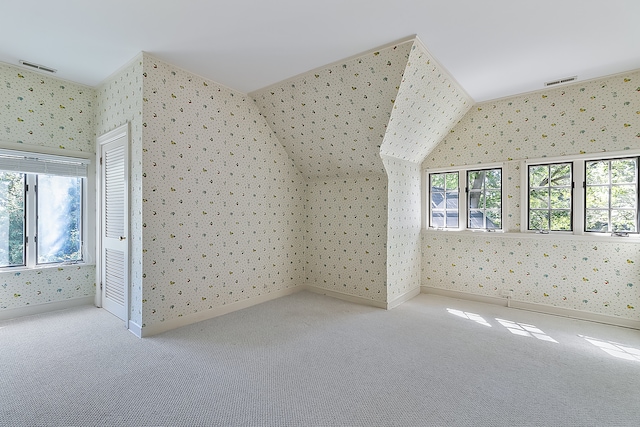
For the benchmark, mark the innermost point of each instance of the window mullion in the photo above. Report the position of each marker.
(31, 218)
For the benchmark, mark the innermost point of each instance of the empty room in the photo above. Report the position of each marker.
(319, 213)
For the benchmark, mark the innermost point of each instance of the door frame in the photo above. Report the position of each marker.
(119, 132)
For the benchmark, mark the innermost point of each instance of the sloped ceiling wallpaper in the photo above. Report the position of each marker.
(332, 121)
(428, 104)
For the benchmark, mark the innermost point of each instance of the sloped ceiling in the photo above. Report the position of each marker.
(429, 104)
(332, 121)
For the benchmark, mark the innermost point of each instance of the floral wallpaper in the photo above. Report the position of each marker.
(119, 100)
(577, 273)
(404, 225)
(346, 236)
(44, 111)
(428, 104)
(222, 203)
(38, 110)
(598, 277)
(590, 117)
(332, 121)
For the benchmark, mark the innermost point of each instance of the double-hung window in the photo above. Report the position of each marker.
(41, 209)
(481, 206)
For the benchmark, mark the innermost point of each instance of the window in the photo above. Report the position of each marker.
(550, 197)
(611, 195)
(41, 209)
(444, 200)
(484, 199)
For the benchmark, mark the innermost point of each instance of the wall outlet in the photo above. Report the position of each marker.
(506, 293)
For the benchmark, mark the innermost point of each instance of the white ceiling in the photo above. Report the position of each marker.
(492, 48)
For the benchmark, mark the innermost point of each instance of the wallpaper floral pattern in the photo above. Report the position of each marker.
(119, 101)
(38, 110)
(332, 121)
(576, 273)
(222, 203)
(346, 236)
(598, 277)
(428, 104)
(404, 225)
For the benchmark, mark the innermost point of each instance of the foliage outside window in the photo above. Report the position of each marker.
(611, 195)
(550, 197)
(484, 199)
(59, 224)
(58, 219)
(444, 200)
(41, 208)
(12, 219)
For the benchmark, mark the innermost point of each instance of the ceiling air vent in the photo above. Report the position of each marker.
(560, 81)
(37, 66)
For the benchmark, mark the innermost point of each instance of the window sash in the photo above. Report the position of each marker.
(546, 213)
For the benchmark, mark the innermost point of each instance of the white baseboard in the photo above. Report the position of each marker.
(403, 298)
(30, 310)
(539, 308)
(135, 329)
(345, 297)
(161, 327)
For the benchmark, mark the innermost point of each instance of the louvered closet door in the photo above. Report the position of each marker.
(114, 227)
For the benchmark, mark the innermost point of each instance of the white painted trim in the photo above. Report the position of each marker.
(463, 295)
(538, 308)
(31, 310)
(158, 328)
(403, 298)
(135, 329)
(346, 297)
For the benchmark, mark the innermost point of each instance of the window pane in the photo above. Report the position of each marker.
(11, 219)
(59, 219)
(623, 196)
(539, 199)
(597, 197)
(452, 181)
(538, 176)
(560, 198)
(597, 172)
(561, 220)
(476, 219)
(437, 200)
(452, 219)
(623, 220)
(492, 200)
(560, 175)
(539, 220)
(494, 219)
(437, 219)
(623, 171)
(492, 178)
(437, 181)
(597, 220)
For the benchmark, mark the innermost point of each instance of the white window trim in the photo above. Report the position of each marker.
(578, 197)
(88, 210)
(462, 197)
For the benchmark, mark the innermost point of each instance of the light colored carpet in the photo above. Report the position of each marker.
(309, 360)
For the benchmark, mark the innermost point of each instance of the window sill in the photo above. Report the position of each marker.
(592, 237)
